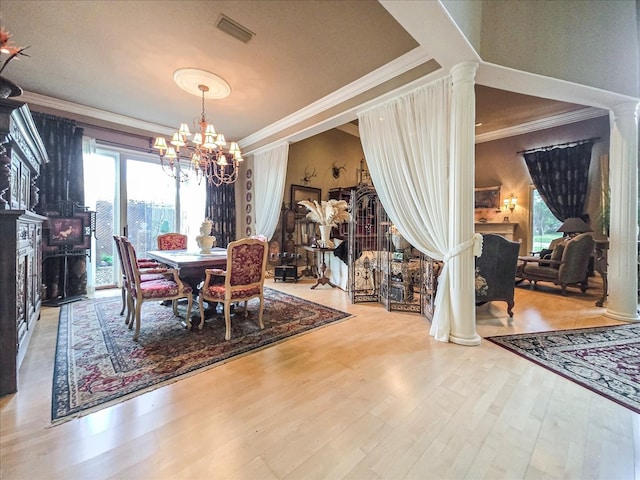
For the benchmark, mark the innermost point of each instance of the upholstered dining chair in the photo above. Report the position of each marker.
(168, 288)
(243, 279)
(172, 241)
(149, 270)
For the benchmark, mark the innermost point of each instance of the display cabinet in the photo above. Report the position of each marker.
(21, 157)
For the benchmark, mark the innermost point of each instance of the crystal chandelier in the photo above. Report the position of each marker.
(206, 152)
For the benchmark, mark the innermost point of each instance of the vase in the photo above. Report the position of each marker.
(9, 89)
(205, 242)
(325, 235)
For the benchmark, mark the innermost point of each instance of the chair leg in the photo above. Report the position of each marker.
(130, 311)
(124, 300)
(261, 310)
(189, 305)
(563, 288)
(138, 310)
(201, 306)
(510, 309)
(174, 304)
(227, 320)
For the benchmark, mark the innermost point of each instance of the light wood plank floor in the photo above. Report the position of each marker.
(372, 397)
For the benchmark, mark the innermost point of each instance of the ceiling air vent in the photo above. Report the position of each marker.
(234, 29)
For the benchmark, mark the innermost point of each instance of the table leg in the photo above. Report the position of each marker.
(322, 278)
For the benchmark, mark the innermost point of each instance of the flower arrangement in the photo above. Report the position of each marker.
(330, 212)
(7, 48)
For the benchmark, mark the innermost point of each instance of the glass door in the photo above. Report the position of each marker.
(132, 195)
(101, 193)
(151, 204)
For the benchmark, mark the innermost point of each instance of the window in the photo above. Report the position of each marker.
(544, 224)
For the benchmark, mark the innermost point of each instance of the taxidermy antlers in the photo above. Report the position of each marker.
(336, 170)
(308, 176)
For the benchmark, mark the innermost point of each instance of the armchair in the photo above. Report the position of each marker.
(496, 271)
(149, 270)
(168, 288)
(568, 265)
(243, 279)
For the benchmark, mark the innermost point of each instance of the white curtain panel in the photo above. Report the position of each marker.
(270, 172)
(406, 144)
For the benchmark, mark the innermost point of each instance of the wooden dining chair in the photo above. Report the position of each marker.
(172, 241)
(243, 279)
(168, 288)
(149, 270)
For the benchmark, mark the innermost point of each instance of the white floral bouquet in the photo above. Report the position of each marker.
(330, 212)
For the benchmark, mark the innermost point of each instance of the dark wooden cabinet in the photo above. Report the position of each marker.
(22, 154)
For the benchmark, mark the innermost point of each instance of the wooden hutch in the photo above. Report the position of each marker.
(22, 154)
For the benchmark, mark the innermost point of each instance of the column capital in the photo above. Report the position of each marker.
(464, 71)
(626, 109)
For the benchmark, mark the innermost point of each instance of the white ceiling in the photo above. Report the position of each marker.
(112, 62)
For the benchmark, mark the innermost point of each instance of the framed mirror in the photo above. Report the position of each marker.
(302, 192)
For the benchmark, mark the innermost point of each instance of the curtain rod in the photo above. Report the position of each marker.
(550, 147)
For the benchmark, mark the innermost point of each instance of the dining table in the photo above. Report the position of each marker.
(191, 264)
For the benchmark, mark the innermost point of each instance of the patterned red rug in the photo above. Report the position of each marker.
(98, 363)
(605, 360)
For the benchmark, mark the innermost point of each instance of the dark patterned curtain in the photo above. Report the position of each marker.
(61, 179)
(561, 175)
(221, 209)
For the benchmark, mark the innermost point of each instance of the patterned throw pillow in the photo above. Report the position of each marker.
(556, 255)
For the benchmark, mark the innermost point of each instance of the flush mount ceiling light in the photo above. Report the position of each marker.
(207, 151)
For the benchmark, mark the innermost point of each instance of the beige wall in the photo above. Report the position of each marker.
(320, 152)
(498, 163)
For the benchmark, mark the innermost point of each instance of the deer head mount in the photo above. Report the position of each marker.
(308, 175)
(335, 170)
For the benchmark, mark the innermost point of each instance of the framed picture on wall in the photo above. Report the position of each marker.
(302, 192)
(487, 197)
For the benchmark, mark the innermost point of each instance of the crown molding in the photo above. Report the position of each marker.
(542, 124)
(384, 73)
(77, 109)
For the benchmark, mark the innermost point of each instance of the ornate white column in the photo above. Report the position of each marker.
(461, 188)
(623, 219)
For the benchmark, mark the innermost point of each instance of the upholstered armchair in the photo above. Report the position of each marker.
(496, 271)
(568, 264)
(172, 241)
(243, 279)
(170, 287)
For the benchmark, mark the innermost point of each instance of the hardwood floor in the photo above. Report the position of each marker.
(371, 397)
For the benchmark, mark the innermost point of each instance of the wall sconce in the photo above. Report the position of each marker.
(510, 202)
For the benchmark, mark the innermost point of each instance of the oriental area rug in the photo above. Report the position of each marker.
(605, 360)
(98, 364)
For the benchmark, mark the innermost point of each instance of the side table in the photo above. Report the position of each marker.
(322, 277)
